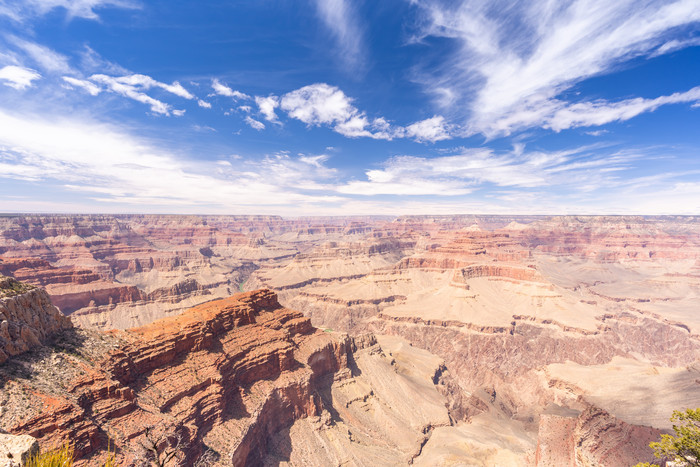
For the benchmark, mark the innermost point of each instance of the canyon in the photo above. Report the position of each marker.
(427, 340)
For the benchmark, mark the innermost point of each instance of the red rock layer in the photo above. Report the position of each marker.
(227, 373)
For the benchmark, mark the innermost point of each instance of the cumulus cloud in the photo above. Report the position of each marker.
(267, 106)
(518, 60)
(203, 104)
(255, 124)
(87, 86)
(432, 129)
(318, 104)
(18, 77)
(223, 90)
(321, 104)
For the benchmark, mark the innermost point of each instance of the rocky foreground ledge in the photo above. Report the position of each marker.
(233, 369)
(27, 317)
(233, 379)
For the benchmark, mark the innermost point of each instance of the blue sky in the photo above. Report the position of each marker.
(337, 107)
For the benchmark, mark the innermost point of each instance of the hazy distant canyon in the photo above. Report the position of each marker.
(474, 340)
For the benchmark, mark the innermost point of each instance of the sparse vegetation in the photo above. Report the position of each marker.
(683, 448)
(63, 456)
(9, 287)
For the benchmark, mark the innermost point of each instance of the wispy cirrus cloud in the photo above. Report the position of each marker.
(87, 9)
(473, 168)
(223, 90)
(88, 86)
(514, 61)
(254, 124)
(340, 18)
(133, 87)
(111, 167)
(46, 58)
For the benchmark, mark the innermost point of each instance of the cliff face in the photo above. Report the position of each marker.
(225, 376)
(593, 438)
(27, 318)
(532, 317)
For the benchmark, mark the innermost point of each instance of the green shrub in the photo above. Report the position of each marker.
(684, 448)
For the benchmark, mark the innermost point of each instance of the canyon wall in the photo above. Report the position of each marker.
(230, 378)
(540, 328)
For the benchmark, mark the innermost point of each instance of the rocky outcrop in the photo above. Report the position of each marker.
(27, 318)
(223, 375)
(16, 451)
(593, 438)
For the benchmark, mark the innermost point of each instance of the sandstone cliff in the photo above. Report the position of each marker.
(229, 377)
(27, 318)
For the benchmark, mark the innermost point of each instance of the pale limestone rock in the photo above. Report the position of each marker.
(16, 450)
(27, 319)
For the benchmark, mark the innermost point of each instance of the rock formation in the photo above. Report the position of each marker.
(27, 318)
(15, 450)
(233, 376)
(539, 333)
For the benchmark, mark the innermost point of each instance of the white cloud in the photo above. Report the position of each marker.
(267, 106)
(321, 104)
(203, 128)
(517, 60)
(113, 171)
(44, 57)
(596, 132)
(89, 87)
(203, 104)
(223, 90)
(92, 62)
(432, 129)
(473, 168)
(245, 108)
(675, 44)
(132, 92)
(111, 167)
(179, 113)
(18, 77)
(340, 19)
(602, 112)
(24, 9)
(255, 124)
(132, 86)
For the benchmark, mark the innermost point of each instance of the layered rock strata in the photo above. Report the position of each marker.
(27, 318)
(227, 377)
